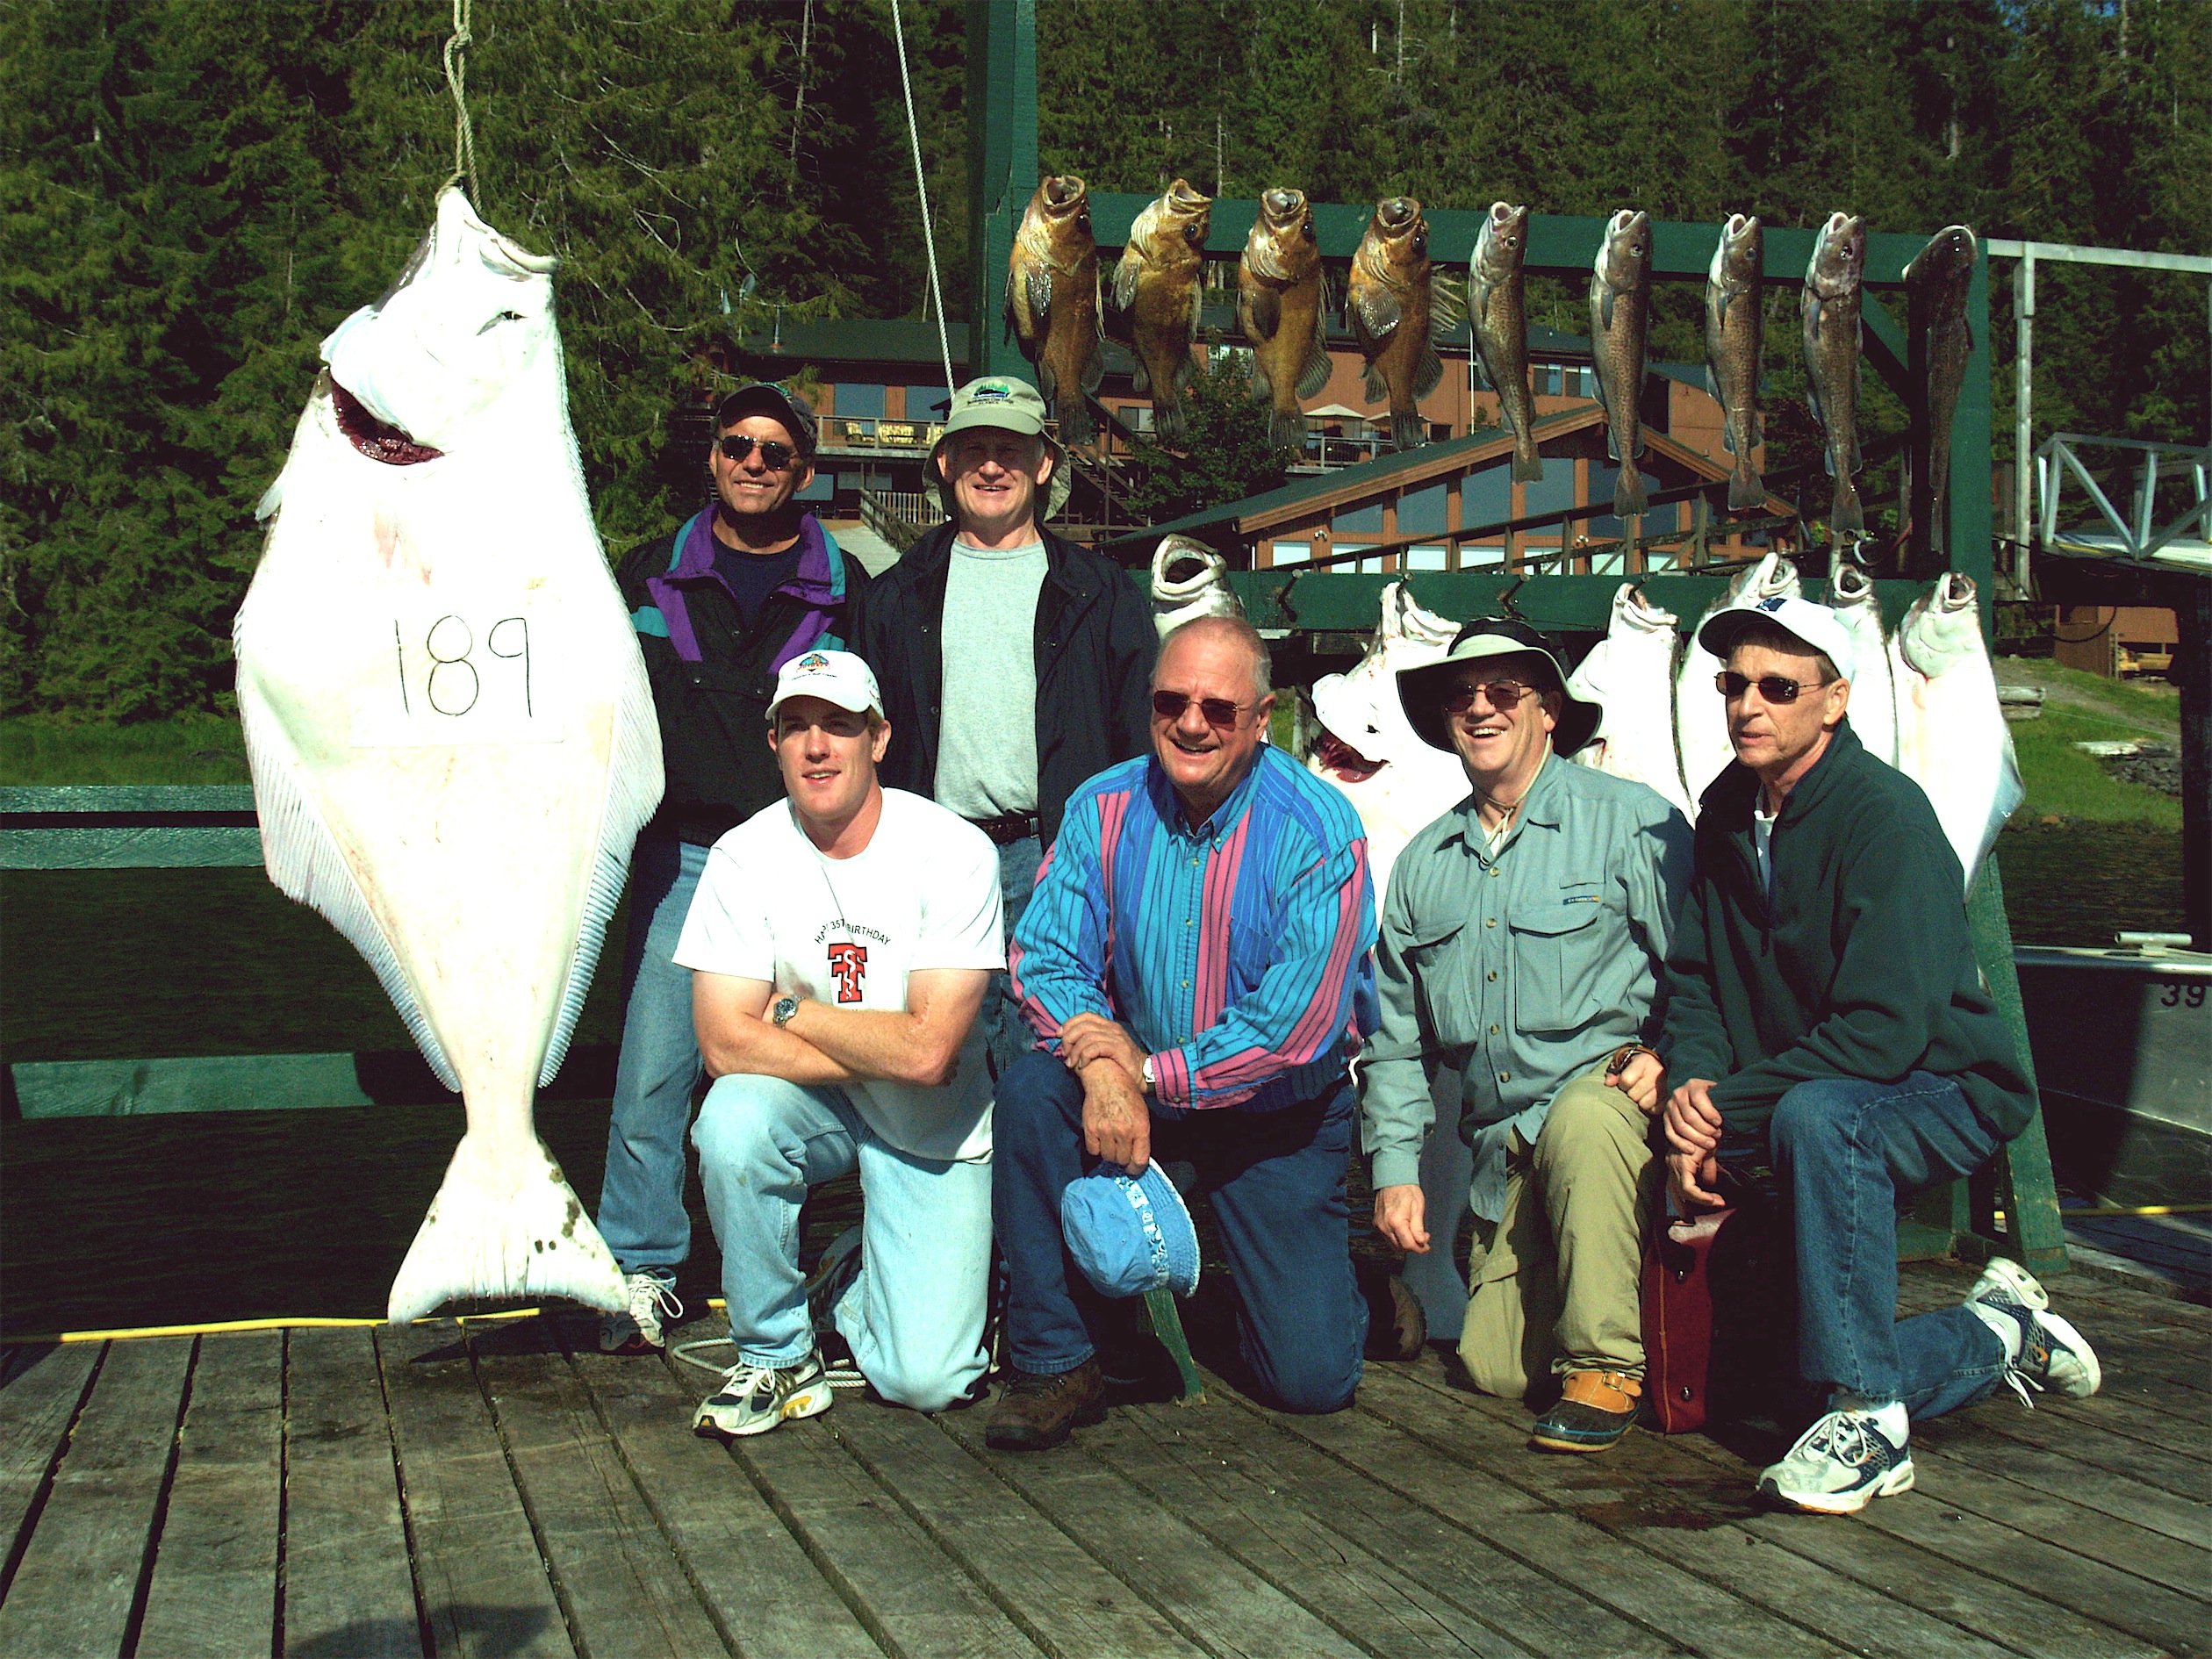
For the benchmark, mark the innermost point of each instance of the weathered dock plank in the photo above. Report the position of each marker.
(623, 1587)
(484, 1586)
(1065, 1601)
(911, 1596)
(1647, 1589)
(1663, 1503)
(76, 1586)
(757, 1583)
(2090, 1443)
(1215, 1602)
(1385, 1573)
(213, 1589)
(37, 1406)
(349, 1589)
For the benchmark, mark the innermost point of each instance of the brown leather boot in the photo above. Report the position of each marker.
(1594, 1409)
(1035, 1412)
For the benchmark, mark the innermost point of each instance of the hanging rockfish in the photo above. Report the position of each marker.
(1951, 735)
(1937, 281)
(1279, 307)
(1495, 306)
(1395, 311)
(1630, 675)
(1873, 713)
(452, 738)
(1735, 335)
(1829, 310)
(1701, 719)
(1051, 301)
(1156, 298)
(1620, 315)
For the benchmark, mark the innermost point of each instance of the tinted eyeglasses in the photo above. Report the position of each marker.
(1219, 712)
(774, 454)
(1505, 696)
(1775, 688)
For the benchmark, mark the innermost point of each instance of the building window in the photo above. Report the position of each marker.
(858, 402)
(1366, 521)
(927, 403)
(1486, 497)
(1423, 559)
(1553, 492)
(1421, 511)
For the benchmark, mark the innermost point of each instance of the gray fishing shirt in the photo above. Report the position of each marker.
(987, 753)
(1521, 967)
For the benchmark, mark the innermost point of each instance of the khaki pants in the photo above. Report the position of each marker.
(1557, 1288)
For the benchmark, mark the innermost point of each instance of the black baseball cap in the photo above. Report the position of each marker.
(761, 398)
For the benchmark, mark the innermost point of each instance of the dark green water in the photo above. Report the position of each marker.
(113, 1222)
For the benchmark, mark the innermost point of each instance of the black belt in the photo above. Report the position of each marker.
(1013, 827)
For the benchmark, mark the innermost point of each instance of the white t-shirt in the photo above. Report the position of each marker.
(1762, 842)
(846, 932)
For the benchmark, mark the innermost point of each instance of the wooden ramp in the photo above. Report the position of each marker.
(508, 1492)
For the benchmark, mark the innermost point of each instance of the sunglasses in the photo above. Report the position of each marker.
(1505, 696)
(774, 454)
(1219, 712)
(1775, 688)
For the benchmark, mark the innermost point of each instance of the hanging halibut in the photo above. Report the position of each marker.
(1952, 736)
(1873, 712)
(452, 739)
(1189, 580)
(1367, 749)
(1701, 719)
(1630, 674)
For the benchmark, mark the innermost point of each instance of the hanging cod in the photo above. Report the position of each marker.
(1829, 310)
(1498, 309)
(1619, 316)
(1398, 305)
(1156, 299)
(1936, 283)
(452, 740)
(1279, 301)
(1051, 301)
(1736, 339)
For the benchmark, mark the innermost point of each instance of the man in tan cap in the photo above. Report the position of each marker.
(1014, 663)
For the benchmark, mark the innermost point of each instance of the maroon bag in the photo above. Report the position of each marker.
(1677, 1320)
(1719, 1313)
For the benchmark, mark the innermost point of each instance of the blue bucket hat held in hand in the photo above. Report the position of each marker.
(1131, 1234)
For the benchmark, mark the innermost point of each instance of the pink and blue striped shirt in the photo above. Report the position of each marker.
(1239, 953)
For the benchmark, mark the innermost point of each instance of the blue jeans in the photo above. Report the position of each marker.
(641, 1208)
(1845, 1152)
(915, 1313)
(1276, 1183)
(1005, 1034)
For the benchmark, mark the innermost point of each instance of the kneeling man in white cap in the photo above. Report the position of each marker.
(840, 945)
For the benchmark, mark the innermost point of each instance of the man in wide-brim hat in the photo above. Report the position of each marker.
(1522, 942)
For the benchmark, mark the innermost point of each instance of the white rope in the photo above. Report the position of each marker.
(456, 72)
(922, 186)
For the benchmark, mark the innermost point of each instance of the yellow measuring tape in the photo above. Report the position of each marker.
(222, 1327)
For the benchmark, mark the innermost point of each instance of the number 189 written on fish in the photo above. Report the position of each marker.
(460, 676)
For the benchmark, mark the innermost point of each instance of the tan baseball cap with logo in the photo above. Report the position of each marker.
(1011, 406)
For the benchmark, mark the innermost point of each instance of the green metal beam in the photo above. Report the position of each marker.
(1002, 103)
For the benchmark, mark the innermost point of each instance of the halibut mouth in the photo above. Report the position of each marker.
(380, 442)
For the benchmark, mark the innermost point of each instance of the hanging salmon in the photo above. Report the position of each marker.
(452, 739)
(1051, 301)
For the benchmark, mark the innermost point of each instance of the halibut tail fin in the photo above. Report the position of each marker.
(504, 1224)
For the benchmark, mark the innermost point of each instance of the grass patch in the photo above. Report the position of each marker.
(184, 749)
(2066, 783)
(2155, 701)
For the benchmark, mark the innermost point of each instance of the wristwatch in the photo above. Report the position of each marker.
(1151, 1086)
(785, 1008)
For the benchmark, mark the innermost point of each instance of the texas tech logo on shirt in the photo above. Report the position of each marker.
(849, 964)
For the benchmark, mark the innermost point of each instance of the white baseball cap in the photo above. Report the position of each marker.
(836, 677)
(1816, 625)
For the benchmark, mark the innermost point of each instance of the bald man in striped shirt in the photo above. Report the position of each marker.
(1196, 964)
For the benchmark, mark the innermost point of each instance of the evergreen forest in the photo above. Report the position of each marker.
(194, 192)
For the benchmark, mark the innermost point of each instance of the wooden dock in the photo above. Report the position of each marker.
(505, 1490)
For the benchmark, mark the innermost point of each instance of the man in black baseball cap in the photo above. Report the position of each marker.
(748, 584)
(1522, 941)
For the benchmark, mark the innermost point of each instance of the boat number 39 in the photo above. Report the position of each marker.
(2175, 993)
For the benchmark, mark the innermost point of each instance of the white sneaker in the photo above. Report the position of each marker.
(1839, 1465)
(637, 1329)
(755, 1398)
(2043, 1352)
